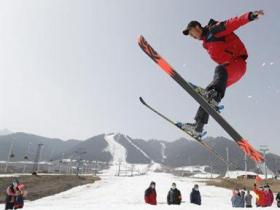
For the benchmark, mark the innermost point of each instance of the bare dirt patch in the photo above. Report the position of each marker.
(45, 185)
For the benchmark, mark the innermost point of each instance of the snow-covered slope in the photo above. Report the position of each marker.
(119, 164)
(126, 193)
(117, 150)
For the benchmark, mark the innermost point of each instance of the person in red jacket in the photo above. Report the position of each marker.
(269, 197)
(151, 194)
(260, 200)
(228, 51)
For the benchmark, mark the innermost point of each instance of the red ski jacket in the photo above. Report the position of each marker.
(220, 41)
(269, 198)
(260, 200)
(151, 196)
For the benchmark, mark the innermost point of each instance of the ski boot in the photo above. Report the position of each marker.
(211, 96)
(194, 129)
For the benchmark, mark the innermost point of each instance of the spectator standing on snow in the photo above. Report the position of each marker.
(269, 197)
(11, 195)
(278, 199)
(248, 199)
(260, 200)
(236, 199)
(242, 194)
(174, 195)
(195, 197)
(15, 194)
(151, 194)
(21, 194)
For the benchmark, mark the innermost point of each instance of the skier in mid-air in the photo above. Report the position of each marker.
(226, 49)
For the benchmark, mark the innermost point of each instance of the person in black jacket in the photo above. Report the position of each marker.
(195, 197)
(174, 195)
(278, 200)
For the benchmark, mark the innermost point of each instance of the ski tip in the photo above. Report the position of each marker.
(142, 100)
(250, 151)
(139, 38)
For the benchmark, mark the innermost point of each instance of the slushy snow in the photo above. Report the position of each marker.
(127, 193)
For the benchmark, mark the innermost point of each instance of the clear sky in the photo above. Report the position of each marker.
(73, 69)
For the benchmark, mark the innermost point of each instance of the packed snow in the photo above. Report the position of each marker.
(126, 193)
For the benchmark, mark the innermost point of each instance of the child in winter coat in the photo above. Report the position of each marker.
(151, 194)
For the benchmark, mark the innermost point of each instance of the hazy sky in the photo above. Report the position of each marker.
(73, 69)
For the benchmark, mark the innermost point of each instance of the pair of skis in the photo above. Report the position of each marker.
(188, 87)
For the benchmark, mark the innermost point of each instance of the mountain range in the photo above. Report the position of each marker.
(120, 147)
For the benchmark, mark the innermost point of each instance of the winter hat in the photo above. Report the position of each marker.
(15, 182)
(191, 25)
(266, 186)
(152, 183)
(174, 184)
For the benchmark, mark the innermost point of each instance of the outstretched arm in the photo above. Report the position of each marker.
(230, 25)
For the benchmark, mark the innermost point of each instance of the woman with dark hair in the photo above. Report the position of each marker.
(15, 194)
(151, 194)
(11, 195)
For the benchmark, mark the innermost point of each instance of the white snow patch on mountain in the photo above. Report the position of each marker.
(163, 155)
(117, 150)
(138, 148)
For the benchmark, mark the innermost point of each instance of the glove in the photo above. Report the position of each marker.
(255, 15)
